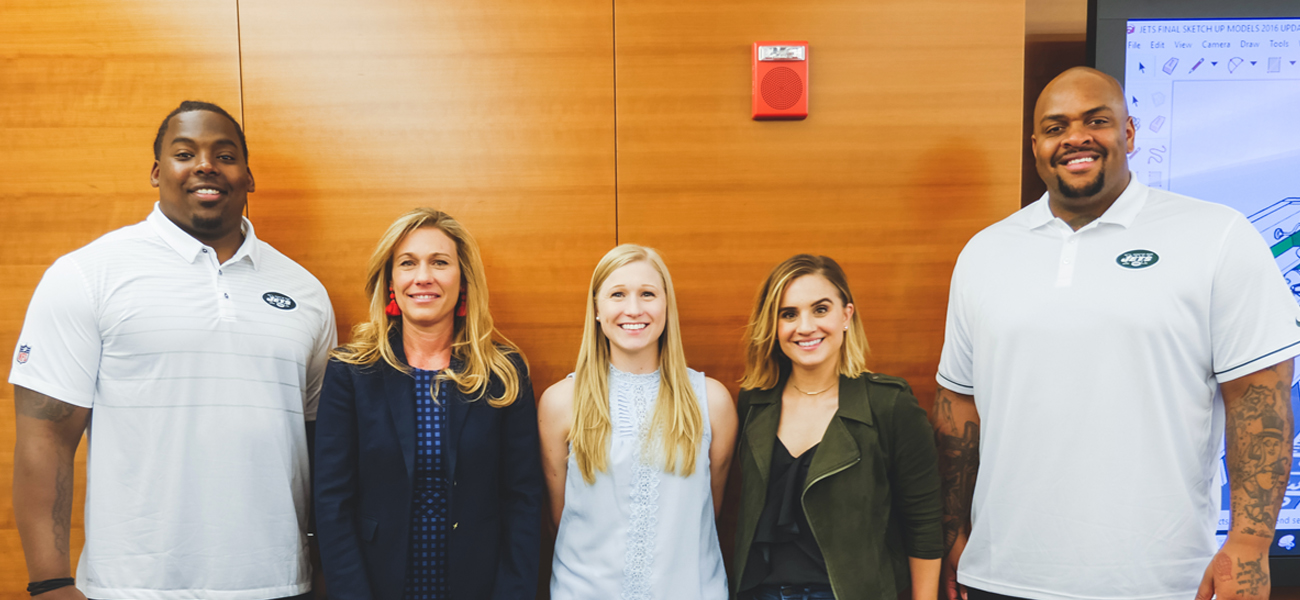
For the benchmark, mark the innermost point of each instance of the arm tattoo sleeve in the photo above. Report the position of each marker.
(958, 465)
(1259, 455)
(66, 423)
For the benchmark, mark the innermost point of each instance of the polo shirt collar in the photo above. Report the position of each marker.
(1123, 212)
(1126, 208)
(189, 248)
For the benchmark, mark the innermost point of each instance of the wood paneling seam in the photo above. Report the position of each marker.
(243, 120)
(613, 32)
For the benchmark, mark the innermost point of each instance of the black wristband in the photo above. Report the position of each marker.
(40, 587)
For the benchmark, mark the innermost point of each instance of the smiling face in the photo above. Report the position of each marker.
(632, 308)
(426, 277)
(1082, 137)
(202, 176)
(811, 322)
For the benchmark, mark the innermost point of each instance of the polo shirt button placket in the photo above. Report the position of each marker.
(1069, 254)
(226, 308)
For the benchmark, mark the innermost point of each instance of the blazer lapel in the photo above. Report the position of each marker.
(760, 428)
(457, 411)
(399, 389)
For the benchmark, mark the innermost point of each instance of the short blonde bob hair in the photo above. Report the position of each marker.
(477, 343)
(764, 360)
(677, 421)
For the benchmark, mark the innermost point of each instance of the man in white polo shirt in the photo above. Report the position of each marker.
(1097, 343)
(199, 350)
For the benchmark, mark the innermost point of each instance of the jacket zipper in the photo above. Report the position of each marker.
(805, 511)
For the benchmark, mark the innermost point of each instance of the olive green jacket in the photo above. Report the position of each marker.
(872, 494)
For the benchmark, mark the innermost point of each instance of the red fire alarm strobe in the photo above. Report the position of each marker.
(780, 80)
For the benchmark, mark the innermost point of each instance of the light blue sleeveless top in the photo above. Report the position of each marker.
(639, 533)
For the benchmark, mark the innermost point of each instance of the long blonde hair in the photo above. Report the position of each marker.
(677, 421)
(764, 360)
(473, 342)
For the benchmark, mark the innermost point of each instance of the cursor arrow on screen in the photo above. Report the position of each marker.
(1143, 68)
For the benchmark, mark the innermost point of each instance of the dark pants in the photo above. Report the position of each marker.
(790, 592)
(974, 594)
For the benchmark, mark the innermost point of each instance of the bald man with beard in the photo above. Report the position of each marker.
(1099, 344)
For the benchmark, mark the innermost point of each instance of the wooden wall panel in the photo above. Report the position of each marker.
(911, 147)
(85, 84)
(498, 111)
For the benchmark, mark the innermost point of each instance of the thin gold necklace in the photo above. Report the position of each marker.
(800, 390)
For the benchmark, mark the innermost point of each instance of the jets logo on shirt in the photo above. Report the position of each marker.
(1137, 259)
(24, 352)
(279, 301)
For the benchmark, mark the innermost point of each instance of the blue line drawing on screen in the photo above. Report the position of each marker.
(1157, 155)
(1279, 223)
(1170, 65)
(1153, 179)
(1234, 63)
(1158, 99)
(1198, 63)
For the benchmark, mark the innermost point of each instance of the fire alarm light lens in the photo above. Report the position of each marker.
(766, 53)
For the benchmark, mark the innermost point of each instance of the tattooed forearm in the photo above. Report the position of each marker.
(48, 434)
(1259, 431)
(1252, 580)
(957, 437)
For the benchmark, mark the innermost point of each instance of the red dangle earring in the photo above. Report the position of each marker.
(392, 310)
(461, 308)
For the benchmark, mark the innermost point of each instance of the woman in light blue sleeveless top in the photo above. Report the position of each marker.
(636, 448)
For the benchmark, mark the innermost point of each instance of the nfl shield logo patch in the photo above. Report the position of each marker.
(23, 353)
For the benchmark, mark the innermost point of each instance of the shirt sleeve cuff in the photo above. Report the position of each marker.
(51, 390)
(949, 383)
(1259, 363)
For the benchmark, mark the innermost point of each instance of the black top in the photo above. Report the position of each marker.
(784, 550)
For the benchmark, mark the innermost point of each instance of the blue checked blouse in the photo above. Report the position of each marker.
(426, 568)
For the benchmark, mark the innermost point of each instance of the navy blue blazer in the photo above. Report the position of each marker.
(365, 460)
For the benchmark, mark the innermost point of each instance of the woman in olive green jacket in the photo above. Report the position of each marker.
(840, 485)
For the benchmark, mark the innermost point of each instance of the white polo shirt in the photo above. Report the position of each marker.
(1095, 359)
(200, 376)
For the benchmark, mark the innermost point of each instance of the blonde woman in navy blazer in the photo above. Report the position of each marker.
(378, 504)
